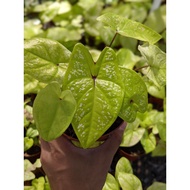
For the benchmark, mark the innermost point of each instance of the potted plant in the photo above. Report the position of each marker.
(88, 95)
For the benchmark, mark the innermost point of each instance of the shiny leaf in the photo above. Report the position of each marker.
(135, 98)
(129, 28)
(45, 60)
(53, 111)
(97, 88)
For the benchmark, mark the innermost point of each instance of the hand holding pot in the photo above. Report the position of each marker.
(72, 168)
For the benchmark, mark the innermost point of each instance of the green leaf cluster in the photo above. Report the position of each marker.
(124, 177)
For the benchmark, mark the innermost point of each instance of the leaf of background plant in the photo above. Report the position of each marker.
(148, 142)
(129, 43)
(126, 58)
(38, 183)
(53, 111)
(129, 182)
(155, 17)
(37, 163)
(32, 132)
(45, 60)
(28, 143)
(107, 35)
(29, 188)
(154, 90)
(31, 85)
(156, 59)
(55, 8)
(161, 124)
(32, 28)
(132, 136)
(137, 0)
(123, 166)
(157, 186)
(111, 183)
(135, 98)
(97, 89)
(129, 28)
(62, 34)
(160, 149)
(147, 118)
(28, 167)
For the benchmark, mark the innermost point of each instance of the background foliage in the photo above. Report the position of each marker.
(70, 22)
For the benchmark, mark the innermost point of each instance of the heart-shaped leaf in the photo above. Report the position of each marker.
(123, 166)
(132, 134)
(136, 97)
(156, 59)
(148, 141)
(53, 111)
(45, 60)
(129, 28)
(97, 88)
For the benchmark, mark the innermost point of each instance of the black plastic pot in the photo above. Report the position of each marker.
(72, 168)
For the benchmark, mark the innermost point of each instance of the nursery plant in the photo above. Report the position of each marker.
(93, 94)
(88, 94)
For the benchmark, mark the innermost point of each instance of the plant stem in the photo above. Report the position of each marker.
(113, 39)
(141, 67)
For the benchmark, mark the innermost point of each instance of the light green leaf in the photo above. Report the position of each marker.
(160, 149)
(155, 17)
(38, 183)
(137, 1)
(148, 118)
(31, 85)
(28, 168)
(123, 166)
(129, 181)
(154, 90)
(53, 111)
(37, 163)
(136, 97)
(156, 59)
(111, 183)
(157, 186)
(132, 135)
(148, 142)
(129, 28)
(126, 58)
(161, 124)
(62, 34)
(45, 60)
(32, 28)
(97, 88)
(28, 143)
(31, 133)
(29, 188)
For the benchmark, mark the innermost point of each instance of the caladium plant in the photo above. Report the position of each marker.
(86, 93)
